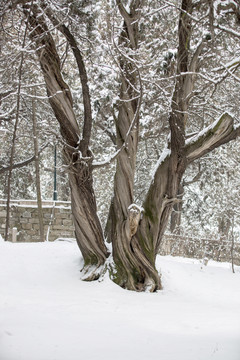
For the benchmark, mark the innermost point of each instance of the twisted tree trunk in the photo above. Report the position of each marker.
(134, 252)
(136, 233)
(124, 216)
(77, 156)
(88, 229)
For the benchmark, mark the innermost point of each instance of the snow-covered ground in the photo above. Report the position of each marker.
(47, 313)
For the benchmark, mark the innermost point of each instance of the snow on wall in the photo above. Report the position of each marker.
(57, 220)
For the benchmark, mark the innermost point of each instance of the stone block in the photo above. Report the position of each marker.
(26, 226)
(62, 216)
(58, 221)
(67, 222)
(65, 234)
(33, 221)
(24, 220)
(31, 232)
(26, 214)
(57, 227)
(52, 238)
(64, 210)
(36, 238)
(55, 233)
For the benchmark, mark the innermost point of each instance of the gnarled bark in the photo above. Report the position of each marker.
(132, 268)
(88, 229)
(136, 233)
(77, 156)
(215, 135)
(135, 255)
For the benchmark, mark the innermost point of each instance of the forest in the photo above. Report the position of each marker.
(135, 105)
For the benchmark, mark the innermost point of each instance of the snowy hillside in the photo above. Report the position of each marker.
(47, 313)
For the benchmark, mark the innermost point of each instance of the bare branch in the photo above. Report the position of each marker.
(129, 20)
(110, 133)
(7, 115)
(195, 178)
(218, 133)
(228, 31)
(23, 163)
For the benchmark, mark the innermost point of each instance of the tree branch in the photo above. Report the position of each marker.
(128, 134)
(218, 133)
(58, 91)
(195, 178)
(110, 133)
(129, 20)
(87, 126)
(179, 105)
(23, 163)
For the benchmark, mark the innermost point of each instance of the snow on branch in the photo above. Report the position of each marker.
(5, 115)
(228, 30)
(23, 163)
(230, 65)
(220, 132)
(230, 72)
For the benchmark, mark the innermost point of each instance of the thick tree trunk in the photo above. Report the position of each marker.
(132, 269)
(77, 156)
(134, 252)
(157, 209)
(124, 259)
(88, 229)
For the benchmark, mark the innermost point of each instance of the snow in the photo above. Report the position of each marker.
(205, 130)
(165, 153)
(48, 313)
(137, 207)
(230, 64)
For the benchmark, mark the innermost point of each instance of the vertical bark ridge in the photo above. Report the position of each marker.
(162, 193)
(88, 229)
(134, 271)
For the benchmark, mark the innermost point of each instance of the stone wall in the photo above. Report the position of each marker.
(24, 217)
(218, 249)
